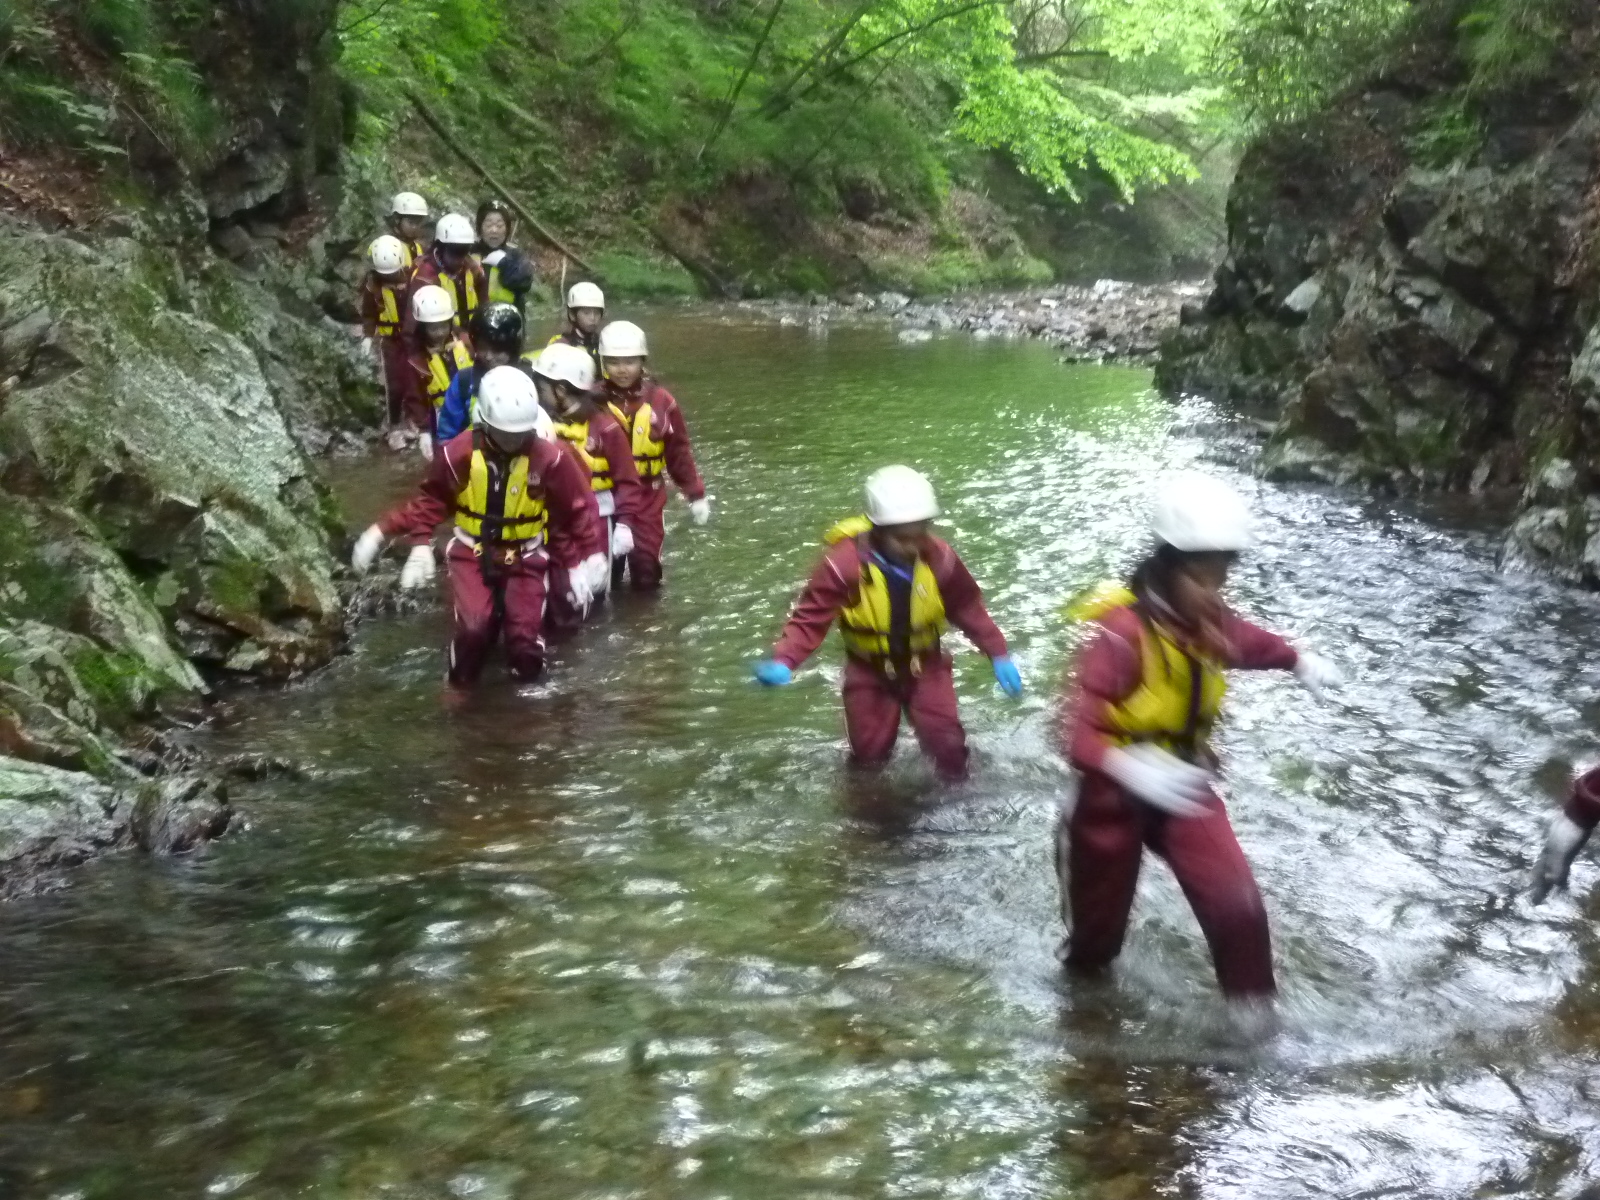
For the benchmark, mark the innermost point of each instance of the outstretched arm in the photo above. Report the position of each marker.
(826, 592)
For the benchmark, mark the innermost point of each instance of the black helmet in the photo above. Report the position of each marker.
(499, 326)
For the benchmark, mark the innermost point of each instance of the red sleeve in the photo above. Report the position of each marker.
(415, 405)
(1583, 805)
(435, 502)
(571, 504)
(1106, 673)
(1252, 648)
(827, 591)
(369, 307)
(624, 471)
(679, 450)
(963, 601)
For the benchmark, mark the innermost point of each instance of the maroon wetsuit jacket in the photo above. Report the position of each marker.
(1110, 668)
(836, 584)
(572, 530)
(666, 426)
(609, 441)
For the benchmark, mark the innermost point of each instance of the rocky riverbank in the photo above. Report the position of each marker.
(1111, 321)
(1405, 323)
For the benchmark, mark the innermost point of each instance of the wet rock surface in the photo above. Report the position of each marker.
(164, 531)
(1110, 321)
(1405, 326)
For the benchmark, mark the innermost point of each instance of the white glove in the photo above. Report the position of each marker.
(1160, 779)
(1316, 673)
(621, 541)
(419, 569)
(598, 567)
(368, 546)
(1561, 845)
(700, 510)
(369, 347)
(425, 444)
(580, 585)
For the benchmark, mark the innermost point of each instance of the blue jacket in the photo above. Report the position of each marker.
(455, 415)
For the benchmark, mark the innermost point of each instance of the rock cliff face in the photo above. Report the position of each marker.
(1407, 325)
(164, 374)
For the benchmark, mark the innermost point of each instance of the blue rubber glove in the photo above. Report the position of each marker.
(774, 674)
(1007, 676)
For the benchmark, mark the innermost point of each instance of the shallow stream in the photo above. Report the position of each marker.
(631, 932)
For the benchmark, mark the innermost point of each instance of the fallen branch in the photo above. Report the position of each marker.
(434, 123)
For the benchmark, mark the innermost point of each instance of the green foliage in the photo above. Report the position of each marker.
(1285, 58)
(631, 275)
(147, 83)
(1449, 132)
(1507, 42)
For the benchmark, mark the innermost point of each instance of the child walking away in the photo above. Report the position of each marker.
(383, 294)
(438, 354)
(1147, 692)
(893, 588)
(510, 272)
(586, 310)
(408, 216)
(522, 514)
(449, 264)
(661, 447)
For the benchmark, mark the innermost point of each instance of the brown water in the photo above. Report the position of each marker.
(628, 933)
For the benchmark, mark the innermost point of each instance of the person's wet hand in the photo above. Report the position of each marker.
(368, 546)
(1562, 842)
(1160, 779)
(621, 542)
(1316, 674)
(1007, 676)
(772, 673)
(419, 569)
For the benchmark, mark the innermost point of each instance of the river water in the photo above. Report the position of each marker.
(631, 932)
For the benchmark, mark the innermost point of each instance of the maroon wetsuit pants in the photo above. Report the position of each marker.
(510, 604)
(874, 703)
(649, 535)
(1098, 853)
(392, 359)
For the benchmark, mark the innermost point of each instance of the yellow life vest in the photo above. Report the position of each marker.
(577, 432)
(866, 624)
(464, 312)
(523, 517)
(498, 292)
(442, 371)
(388, 310)
(1180, 693)
(648, 455)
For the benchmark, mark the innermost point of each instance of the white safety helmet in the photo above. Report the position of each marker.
(388, 254)
(455, 230)
(431, 303)
(1195, 512)
(569, 364)
(623, 339)
(409, 204)
(508, 401)
(585, 295)
(900, 496)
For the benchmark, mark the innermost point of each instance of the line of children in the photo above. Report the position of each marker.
(460, 337)
(557, 483)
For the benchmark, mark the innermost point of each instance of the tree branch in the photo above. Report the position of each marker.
(749, 66)
(838, 69)
(778, 101)
(1059, 53)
